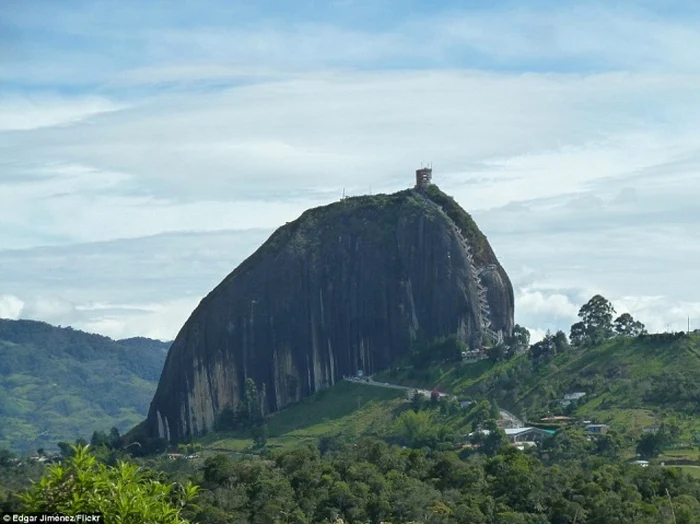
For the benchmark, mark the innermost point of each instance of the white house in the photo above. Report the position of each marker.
(519, 435)
(476, 355)
(572, 397)
(597, 429)
(526, 434)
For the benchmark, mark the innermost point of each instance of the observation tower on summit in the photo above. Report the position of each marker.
(424, 177)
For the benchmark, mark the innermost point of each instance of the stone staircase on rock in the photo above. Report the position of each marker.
(495, 337)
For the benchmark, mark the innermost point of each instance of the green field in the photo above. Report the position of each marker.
(348, 409)
(693, 471)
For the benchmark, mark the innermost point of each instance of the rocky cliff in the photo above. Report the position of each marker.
(345, 287)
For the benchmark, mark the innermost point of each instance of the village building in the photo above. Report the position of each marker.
(572, 397)
(642, 463)
(536, 435)
(469, 357)
(597, 429)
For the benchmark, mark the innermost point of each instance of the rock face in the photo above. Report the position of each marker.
(345, 287)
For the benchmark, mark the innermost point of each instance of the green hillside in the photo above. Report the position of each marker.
(629, 382)
(347, 409)
(59, 383)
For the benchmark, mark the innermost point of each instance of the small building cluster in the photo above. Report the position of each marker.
(469, 357)
(44, 458)
(597, 429)
(182, 456)
(572, 397)
(589, 427)
(521, 438)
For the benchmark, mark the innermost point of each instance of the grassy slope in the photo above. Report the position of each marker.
(616, 375)
(329, 413)
(60, 384)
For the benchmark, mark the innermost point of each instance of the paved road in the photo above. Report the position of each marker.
(372, 382)
(513, 421)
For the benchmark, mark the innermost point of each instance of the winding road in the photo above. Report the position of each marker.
(512, 420)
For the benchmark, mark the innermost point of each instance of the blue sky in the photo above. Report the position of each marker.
(183, 133)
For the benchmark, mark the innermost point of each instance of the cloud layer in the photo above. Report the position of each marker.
(139, 167)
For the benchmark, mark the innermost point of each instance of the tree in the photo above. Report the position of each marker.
(253, 401)
(543, 349)
(479, 414)
(6, 457)
(567, 444)
(492, 440)
(99, 438)
(497, 352)
(416, 401)
(415, 429)
(520, 339)
(578, 334)
(560, 342)
(123, 494)
(596, 316)
(650, 445)
(609, 445)
(549, 346)
(260, 433)
(66, 449)
(626, 326)
(218, 469)
(226, 420)
(114, 440)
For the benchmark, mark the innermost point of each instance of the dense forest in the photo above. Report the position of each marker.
(60, 383)
(569, 479)
(358, 453)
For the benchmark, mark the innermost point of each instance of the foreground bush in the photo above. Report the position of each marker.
(123, 494)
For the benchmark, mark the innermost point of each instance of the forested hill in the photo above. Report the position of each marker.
(627, 382)
(60, 383)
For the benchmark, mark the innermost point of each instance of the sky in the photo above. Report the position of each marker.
(147, 148)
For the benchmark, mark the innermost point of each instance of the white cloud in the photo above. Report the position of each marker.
(25, 113)
(217, 37)
(54, 310)
(146, 286)
(159, 321)
(257, 155)
(583, 181)
(10, 307)
(556, 306)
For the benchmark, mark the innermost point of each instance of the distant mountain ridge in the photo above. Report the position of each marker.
(59, 383)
